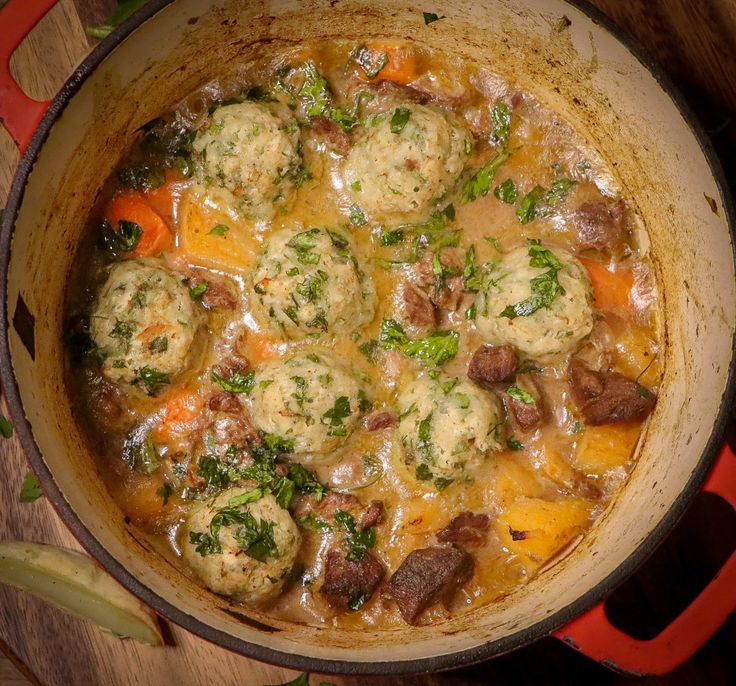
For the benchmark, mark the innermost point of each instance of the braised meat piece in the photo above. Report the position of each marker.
(397, 90)
(427, 576)
(331, 131)
(525, 403)
(380, 419)
(334, 501)
(601, 225)
(419, 308)
(374, 515)
(467, 527)
(491, 364)
(216, 296)
(449, 294)
(225, 401)
(608, 397)
(348, 585)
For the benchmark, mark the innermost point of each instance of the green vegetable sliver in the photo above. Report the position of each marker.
(72, 582)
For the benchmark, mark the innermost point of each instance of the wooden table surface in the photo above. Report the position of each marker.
(694, 40)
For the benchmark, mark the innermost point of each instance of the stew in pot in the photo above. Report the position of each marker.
(362, 334)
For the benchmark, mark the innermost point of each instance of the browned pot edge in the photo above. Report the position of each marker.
(166, 609)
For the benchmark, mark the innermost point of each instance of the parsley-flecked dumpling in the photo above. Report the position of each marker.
(407, 159)
(251, 151)
(309, 282)
(446, 427)
(143, 323)
(537, 300)
(238, 548)
(311, 398)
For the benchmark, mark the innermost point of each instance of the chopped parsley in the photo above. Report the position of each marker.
(357, 541)
(311, 522)
(121, 241)
(514, 444)
(303, 244)
(340, 410)
(435, 349)
(539, 201)
(430, 17)
(506, 192)
(140, 454)
(160, 344)
(501, 119)
(521, 395)
(144, 177)
(219, 230)
(391, 237)
(6, 428)
(545, 287)
(480, 183)
(30, 490)
(317, 99)
(254, 537)
(399, 119)
(311, 288)
(152, 379)
(357, 216)
(196, 292)
(370, 61)
(237, 381)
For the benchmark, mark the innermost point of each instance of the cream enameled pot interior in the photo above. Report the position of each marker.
(580, 71)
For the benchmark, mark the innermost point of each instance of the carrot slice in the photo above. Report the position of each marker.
(401, 66)
(182, 406)
(260, 348)
(611, 289)
(133, 207)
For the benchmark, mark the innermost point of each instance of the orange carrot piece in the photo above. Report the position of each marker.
(260, 348)
(402, 62)
(133, 207)
(611, 289)
(182, 407)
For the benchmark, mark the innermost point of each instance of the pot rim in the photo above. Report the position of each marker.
(452, 660)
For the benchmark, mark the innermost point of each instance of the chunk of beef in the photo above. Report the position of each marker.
(427, 576)
(491, 364)
(396, 90)
(233, 429)
(234, 364)
(528, 415)
(449, 294)
(601, 225)
(334, 501)
(217, 296)
(380, 419)
(608, 397)
(419, 308)
(332, 132)
(467, 527)
(374, 515)
(225, 401)
(348, 585)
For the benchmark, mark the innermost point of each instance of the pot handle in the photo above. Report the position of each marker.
(19, 114)
(593, 635)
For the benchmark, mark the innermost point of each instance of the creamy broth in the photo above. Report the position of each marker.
(538, 487)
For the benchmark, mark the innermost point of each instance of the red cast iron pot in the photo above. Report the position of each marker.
(615, 98)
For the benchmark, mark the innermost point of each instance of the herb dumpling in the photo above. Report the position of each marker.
(241, 549)
(251, 151)
(312, 399)
(143, 323)
(406, 161)
(309, 282)
(446, 426)
(538, 300)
